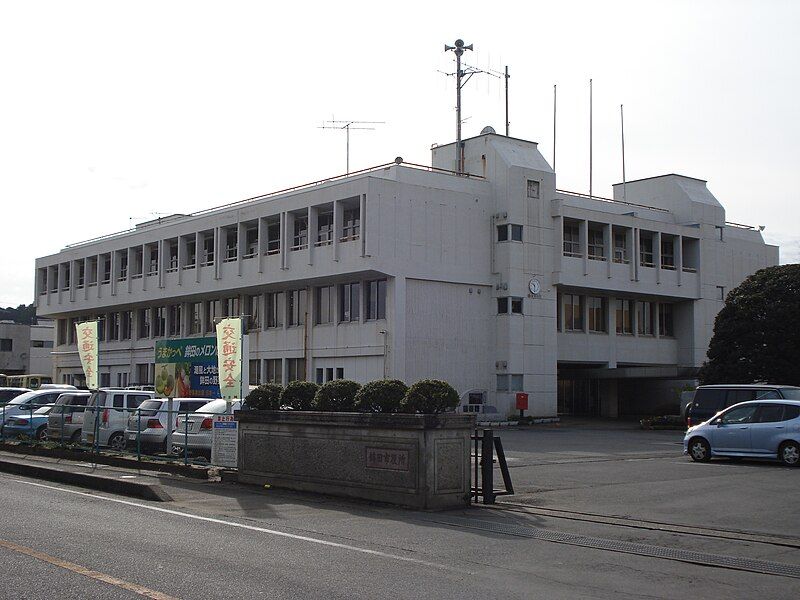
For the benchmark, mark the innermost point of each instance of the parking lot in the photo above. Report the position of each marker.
(615, 469)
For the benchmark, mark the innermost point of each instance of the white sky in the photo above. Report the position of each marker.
(111, 111)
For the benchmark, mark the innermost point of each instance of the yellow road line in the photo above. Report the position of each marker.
(125, 585)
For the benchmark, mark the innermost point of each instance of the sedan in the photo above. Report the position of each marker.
(193, 432)
(757, 429)
(32, 426)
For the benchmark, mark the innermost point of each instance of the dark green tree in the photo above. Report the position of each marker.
(267, 396)
(337, 396)
(757, 332)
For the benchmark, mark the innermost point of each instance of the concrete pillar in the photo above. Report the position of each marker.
(313, 232)
(338, 214)
(261, 246)
(397, 334)
(114, 272)
(608, 240)
(284, 243)
(199, 248)
(678, 252)
(657, 254)
(241, 246)
(583, 238)
(558, 255)
(362, 215)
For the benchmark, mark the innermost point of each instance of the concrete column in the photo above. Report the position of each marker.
(636, 256)
(99, 275)
(608, 239)
(86, 278)
(657, 254)
(362, 215)
(218, 254)
(181, 257)
(289, 239)
(284, 244)
(261, 246)
(73, 277)
(312, 232)
(130, 270)
(114, 272)
(199, 248)
(656, 326)
(161, 262)
(583, 238)
(145, 266)
(241, 246)
(397, 330)
(338, 213)
(678, 252)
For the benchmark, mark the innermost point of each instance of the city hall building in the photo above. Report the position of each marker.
(494, 280)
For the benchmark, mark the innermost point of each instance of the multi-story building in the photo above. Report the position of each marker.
(494, 281)
(26, 349)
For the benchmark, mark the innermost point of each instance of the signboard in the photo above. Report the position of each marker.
(225, 441)
(387, 458)
(87, 350)
(229, 343)
(187, 368)
(522, 401)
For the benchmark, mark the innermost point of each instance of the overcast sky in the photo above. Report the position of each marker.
(112, 112)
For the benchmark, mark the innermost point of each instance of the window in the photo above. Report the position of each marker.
(125, 325)
(6, 345)
(624, 317)
(144, 323)
(597, 314)
(502, 233)
(71, 331)
(136, 267)
(324, 229)
(376, 299)
(621, 248)
(41, 344)
(232, 307)
(253, 312)
(142, 376)
(231, 244)
(349, 302)
(213, 312)
(573, 312)
(66, 284)
(597, 250)
(667, 252)
(646, 249)
(300, 238)
(721, 292)
(113, 326)
(572, 244)
(296, 303)
(191, 254)
(323, 304)
(644, 318)
(255, 372)
(352, 224)
(251, 241)
(297, 369)
(329, 373)
(514, 303)
(516, 233)
(770, 413)
(175, 314)
(739, 415)
(106, 258)
(665, 326)
(273, 237)
(122, 256)
(208, 250)
(160, 321)
(502, 383)
(320, 379)
(274, 370)
(275, 309)
(81, 275)
(339, 372)
(105, 379)
(533, 188)
(195, 318)
(172, 265)
(509, 232)
(152, 260)
(510, 383)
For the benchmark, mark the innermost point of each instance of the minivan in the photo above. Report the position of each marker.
(113, 406)
(65, 421)
(710, 399)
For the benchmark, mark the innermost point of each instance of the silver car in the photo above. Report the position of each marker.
(148, 425)
(756, 429)
(65, 421)
(194, 432)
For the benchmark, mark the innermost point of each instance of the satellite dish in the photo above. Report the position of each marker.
(487, 129)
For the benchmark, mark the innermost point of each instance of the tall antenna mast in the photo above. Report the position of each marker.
(347, 126)
(622, 128)
(459, 49)
(590, 138)
(507, 122)
(554, 126)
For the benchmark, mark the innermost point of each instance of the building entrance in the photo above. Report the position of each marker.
(579, 397)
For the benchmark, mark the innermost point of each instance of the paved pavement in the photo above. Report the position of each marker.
(223, 540)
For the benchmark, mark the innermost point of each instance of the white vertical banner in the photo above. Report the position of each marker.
(229, 357)
(87, 350)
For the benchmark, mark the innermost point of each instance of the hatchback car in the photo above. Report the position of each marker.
(757, 429)
(148, 424)
(27, 403)
(32, 426)
(193, 433)
(65, 421)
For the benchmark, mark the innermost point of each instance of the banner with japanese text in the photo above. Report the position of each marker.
(229, 357)
(187, 368)
(87, 350)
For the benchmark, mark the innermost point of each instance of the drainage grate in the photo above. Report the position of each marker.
(689, 556)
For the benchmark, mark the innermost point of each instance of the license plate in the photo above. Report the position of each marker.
(131, 436)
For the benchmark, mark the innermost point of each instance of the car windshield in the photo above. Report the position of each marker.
(791, 393)
(149, 408)
(23, 398)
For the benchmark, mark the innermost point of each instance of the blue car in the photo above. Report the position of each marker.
(755, 429)
(31, 425)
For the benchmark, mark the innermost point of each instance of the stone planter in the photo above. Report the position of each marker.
(421, 461)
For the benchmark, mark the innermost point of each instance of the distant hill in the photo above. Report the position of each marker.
(22, 314)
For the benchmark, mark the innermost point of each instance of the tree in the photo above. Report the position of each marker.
(382, 395)
(757, 333)
(430, 396)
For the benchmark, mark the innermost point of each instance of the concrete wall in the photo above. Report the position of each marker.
(17, 359)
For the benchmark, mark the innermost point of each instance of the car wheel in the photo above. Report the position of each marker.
(41, 433)
(117, 441)
(789, 454)
(699, 450)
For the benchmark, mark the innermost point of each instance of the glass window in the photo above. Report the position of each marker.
(502, 383)
(572, 244)
(208, 250)
(646, 249)
(597, 313)
(320, 376)
(173, 256)
(296, 300)
(667, 252)
(790, 412)
(255, 371)
(273, 237)
(297, 369)
(160, 321)
(253, 312)
(196, 317)
(349, 298)
(213, 312)
(275, 309)
(665, 323)
(251, 241)
(191, 253)
(516, 306)
(516, 233)
(502, 306)
(533, 188)
(770, 413)
(300, 238)
(324, 228)
(517, 383)
(352, 224)
(329, 374)
(740, 414)
(231, 243)
(376, 299)
(126, 320)
(624, 316)
(644, 318)
(113, 326)
(144, 323)
(710, 399)
(175, 315)
(323, 305)
(274, 370)
(502, 233)
(597, 249)
(791, 393)
(339, 372)
(573, 312)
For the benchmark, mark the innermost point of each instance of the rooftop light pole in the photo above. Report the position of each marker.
(458, 49)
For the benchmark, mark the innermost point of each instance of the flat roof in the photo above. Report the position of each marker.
(660, 176)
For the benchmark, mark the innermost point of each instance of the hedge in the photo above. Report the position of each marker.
(381, 396)
(430, 396)
(299, 395)
(265, 397)
(337, 396)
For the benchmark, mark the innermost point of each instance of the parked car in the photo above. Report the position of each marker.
(710, 399)
(28, 402)
(155, 422)
(194, 431)
(7, 394)
(65, 421)
(32, 426)
(759, 429)
(113, 406)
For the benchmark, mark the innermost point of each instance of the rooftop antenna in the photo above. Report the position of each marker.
(622, 129)
(459, 49)
(554, 126)
(508, 124)
(590, 138)
(347, 126)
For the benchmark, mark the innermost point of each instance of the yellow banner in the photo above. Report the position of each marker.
(229, 357)
(87, 350)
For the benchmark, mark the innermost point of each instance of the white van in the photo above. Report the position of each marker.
(112, 406)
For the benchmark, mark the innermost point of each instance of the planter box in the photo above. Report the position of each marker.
(421, 461)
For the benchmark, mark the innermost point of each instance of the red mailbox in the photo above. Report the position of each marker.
(522, 401)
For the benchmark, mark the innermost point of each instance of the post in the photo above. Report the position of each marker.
(170, 404)
(487, 466)
(139, 435)
(507, 123)
(622, 130)
(347, 127)
(186, 438)
(590, 138)
(458, 111)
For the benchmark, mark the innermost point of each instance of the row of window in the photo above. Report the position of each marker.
(590, 313)
(596, 247)
(144, 260)
(270, 310)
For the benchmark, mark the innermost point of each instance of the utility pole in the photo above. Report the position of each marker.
(459, 49)
(347, 126)
(622, 129)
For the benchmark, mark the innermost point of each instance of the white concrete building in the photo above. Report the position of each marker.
(495, 281)
(26, 349)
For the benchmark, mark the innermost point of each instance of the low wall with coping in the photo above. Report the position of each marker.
(421, 461)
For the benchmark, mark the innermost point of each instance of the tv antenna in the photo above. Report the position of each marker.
(347, 126)
(153, 214)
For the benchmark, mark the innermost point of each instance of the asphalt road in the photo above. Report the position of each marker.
(224, 541)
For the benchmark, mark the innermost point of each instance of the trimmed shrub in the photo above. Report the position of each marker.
(430, 396)
(382, 396)
(299, 395)
(265, 397)
(337, 396)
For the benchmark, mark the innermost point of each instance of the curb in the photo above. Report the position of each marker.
(145, 491)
